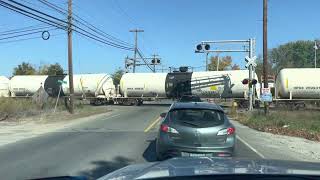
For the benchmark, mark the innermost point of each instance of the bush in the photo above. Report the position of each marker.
(22, 107)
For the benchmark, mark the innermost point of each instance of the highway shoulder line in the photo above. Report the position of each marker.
(249, 146)
(152, 124)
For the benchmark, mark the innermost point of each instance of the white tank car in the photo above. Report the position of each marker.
(91, 85)
(225, 84)
(4, 86)
(143, 84)
(302, 83)
(26, 85)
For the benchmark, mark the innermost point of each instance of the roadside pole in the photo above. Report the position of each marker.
(250, 76)
(218, 61)
(55, 107)
(207, 54)
(70, 66)
(315, 53)
(265, 52)
(135, 47)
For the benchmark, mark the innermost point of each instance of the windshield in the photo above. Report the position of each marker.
(88, 87)
(197, 117)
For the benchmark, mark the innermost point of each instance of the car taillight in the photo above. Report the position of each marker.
(227, 131)
(231, 130)
(164, 128)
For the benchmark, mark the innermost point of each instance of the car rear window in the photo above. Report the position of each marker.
(190, 99)
(196, 117)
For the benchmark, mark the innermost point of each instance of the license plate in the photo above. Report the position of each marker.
(197, 155)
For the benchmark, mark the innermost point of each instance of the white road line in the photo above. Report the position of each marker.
(112, 116)
(249, 146)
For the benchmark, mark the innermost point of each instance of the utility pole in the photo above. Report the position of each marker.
(207, 61)
(251, 92)
(265, 52)
(218, 63)
(70, 69)
(135, 47)
(315, 53)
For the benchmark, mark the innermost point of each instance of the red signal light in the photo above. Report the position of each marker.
(245, 81)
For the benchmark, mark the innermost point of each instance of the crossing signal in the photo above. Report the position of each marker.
(155, 61)
(202, 47)
(245, 81)
(254, 81)
(207, 47)
(199, 47)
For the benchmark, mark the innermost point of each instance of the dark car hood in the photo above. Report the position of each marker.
(206, 166)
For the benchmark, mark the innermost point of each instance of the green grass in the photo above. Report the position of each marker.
(294, 123)
(17, 108)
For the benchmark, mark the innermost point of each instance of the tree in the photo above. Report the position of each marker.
(224, 63)
(116, 76)
(298, 54)
(259, 67)
(24, 69)
(235, 67)
(51, 69)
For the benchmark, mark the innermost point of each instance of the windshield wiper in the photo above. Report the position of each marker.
(186, 122)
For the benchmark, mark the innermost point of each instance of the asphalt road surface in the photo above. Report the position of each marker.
(93, 148)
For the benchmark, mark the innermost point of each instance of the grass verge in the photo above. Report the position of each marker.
(25, 109)
(304, 124)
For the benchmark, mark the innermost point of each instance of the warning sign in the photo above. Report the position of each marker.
(266, 95)
(265, 91)
(213, 88)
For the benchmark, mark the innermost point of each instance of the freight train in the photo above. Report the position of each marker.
(134, 88)
(292, 86)
(209, 84)
(296, 86)
(85, 85)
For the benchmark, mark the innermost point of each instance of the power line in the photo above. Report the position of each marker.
(33, 16)
(51, 22)
(124, 12)
(86, 24)
(25, 39)
(53, 6)
(25, 34)
(23, 28)
(35, 4)
(107, 42)
(21, 31)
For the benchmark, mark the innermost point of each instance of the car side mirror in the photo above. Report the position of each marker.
(162, 115)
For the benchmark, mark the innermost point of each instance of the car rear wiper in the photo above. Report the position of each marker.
(186, 122)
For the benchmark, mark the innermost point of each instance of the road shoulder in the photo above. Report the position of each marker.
(273, 146)
(11, 132)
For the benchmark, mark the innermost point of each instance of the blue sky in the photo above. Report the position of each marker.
(172, 29)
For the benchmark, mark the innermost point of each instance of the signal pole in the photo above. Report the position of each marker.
(70, 69)
(154, 64)
(265, 52)
(135, 47)
(207, 61)
(315, 53)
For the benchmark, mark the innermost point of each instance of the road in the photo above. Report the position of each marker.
(92, 148)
